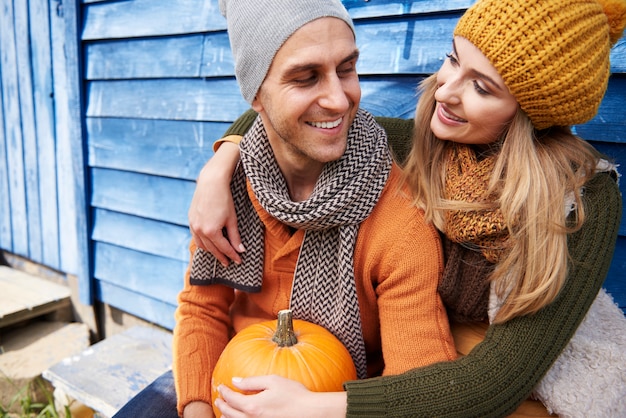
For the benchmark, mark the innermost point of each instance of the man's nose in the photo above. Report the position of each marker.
(333, 95)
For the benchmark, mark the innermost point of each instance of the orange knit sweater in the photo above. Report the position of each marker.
(397, 264)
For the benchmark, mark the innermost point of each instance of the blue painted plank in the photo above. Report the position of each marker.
(615, 282)
(72, 200)
(166, 148)
(5, 207)
(147, 58)
(178, 99)
(205, 55)
(41, 56)
(618, 153)
(404, 46)
(139, 18)
(389, 96)
(618, 57)
(29, 138)
(136, 303)
(141, 234)
(362, 8)
(417, 46)
(610, 123)
(68, 231)
(220, 99)
(156, 277)
(125, 363)
(153, 197)
(13, 132)
(217, 58)
(81, 260)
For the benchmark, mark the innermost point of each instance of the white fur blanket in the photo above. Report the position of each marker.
(589, 377)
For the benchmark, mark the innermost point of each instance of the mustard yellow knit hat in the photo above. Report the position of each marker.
(552, 54)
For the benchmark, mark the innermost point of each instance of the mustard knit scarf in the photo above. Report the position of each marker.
(467, 180)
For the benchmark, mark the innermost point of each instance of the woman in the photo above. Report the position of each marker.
(498, 171)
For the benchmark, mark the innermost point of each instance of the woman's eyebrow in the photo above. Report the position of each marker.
(488, 79)
(477, 73)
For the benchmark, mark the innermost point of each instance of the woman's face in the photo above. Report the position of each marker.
(474, 105)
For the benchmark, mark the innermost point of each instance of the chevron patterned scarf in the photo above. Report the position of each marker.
(324, 287)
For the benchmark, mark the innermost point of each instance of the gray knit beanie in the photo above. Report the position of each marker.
(258, 28)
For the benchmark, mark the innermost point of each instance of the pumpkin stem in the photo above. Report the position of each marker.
(284, 335)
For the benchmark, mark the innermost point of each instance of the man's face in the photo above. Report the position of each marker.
(310, 95)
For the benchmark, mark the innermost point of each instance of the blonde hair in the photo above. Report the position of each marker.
(535, 172)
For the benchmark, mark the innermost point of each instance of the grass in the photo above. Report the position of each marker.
(30, 407)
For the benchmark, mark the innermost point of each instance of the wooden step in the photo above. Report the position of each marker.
(108, 374)
(24, 296)
(26, 351)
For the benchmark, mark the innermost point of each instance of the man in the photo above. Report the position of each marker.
(327, 229)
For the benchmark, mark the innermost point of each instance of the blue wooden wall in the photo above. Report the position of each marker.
(158, 85)
(42, 187)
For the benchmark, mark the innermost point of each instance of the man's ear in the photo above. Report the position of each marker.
(256, 104)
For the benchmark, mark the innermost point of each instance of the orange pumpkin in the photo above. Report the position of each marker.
(295, 349)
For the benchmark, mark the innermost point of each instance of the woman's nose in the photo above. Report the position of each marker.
(449, 90)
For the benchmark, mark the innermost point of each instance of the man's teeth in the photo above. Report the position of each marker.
(326, 125)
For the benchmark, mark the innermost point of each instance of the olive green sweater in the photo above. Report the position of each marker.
(500, 372)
